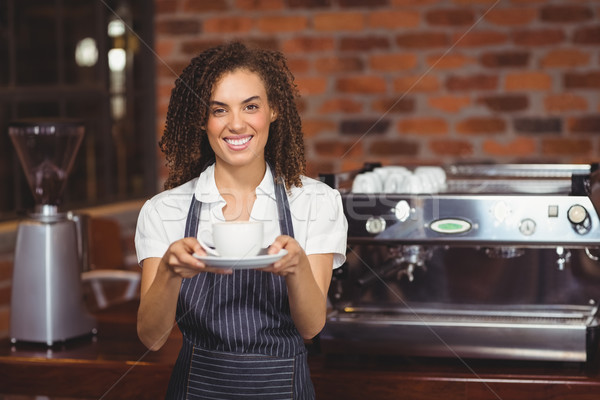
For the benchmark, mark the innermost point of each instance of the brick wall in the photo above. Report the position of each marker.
(426, 81)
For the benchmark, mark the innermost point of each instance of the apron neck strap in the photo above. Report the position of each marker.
(283, 211)
(283, 208)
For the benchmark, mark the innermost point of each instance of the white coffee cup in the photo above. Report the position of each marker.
(395, 180)
(236, 239)
(394, 183)
(412, 184)
(367, 182)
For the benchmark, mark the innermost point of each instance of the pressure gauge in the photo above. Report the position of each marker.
(375, 225)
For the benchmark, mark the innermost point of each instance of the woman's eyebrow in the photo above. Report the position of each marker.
(248, 100)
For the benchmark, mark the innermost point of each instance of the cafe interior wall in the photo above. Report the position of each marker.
(409, 81)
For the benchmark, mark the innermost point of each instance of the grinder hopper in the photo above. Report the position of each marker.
(47, 303)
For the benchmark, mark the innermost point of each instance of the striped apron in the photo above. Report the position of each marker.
(239, 340)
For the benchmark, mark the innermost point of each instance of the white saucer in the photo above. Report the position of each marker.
(244, 263)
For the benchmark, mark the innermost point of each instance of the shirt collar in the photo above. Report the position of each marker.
(266, 186)
(206, 190)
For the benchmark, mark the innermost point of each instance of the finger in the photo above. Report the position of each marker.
(274, 248)
(283, 261)
(201, 252)
(192, 260)
(280, 243)
(193, 245)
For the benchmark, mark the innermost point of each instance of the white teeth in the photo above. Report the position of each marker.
(238, 142)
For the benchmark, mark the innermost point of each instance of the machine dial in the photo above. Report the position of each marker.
(579, 218)
(375, 225)
(527, 227)
(402, 210)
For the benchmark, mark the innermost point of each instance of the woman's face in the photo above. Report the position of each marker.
(238, 119)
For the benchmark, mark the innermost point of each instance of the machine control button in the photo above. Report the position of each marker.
(527, 227)
(552, 211)
(375, 225)
(450, 226)
(579, 217)
(501, 211)
(577, 214)
(402, 210)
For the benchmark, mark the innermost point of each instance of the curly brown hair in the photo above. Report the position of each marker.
(185, 142)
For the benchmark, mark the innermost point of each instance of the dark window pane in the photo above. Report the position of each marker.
(43, 79)
(81, 46)
(35, 37)
(10, 170)
(82, 186)
(4, 41)
(37, 110)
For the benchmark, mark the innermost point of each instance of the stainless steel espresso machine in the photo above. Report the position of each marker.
(471, 261)
(47, 304)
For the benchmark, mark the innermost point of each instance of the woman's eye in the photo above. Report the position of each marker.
(218, 111)
(251, 107)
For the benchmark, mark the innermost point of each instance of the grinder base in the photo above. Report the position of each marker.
(47, 302)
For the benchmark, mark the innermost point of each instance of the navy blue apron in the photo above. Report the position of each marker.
(239, 340)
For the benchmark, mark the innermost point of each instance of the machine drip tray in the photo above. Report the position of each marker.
(527, 332)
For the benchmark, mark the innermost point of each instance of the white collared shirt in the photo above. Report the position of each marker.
(319, 223)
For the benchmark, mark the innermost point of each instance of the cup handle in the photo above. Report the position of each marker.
(209, 250)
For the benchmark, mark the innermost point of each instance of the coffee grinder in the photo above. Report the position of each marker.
(47, 302)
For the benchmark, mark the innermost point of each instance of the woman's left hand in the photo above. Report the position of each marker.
(307, 279)
(290, 263)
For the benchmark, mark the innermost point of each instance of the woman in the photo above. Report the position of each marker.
(234, 148)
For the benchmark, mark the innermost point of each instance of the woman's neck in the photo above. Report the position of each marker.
(239, 179)
(238, 187)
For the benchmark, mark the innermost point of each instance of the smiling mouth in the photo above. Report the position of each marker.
(238, 141)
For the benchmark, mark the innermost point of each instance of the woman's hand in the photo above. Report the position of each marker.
(180, 260)
(290, 263)
(307, 279)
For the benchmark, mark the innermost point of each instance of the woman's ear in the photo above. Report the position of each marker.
(273, 115)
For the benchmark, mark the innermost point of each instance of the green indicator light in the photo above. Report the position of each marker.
(449, 226)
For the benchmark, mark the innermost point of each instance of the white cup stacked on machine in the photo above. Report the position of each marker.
(399, 179)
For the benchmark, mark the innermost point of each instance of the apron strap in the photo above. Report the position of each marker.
(193, 218)
(283, 211)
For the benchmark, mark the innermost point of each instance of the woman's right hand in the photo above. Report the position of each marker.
(159, 289)
(179, 259)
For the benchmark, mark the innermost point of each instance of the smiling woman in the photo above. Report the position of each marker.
(234, 145)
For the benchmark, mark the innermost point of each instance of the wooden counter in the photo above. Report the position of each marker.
(115, 365)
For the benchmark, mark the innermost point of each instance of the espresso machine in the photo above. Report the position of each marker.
(47, 304)
(494, 261)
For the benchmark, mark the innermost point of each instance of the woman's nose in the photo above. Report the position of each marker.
(236, 122)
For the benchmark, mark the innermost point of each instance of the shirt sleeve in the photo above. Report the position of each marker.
(328, 228)
(151, 239)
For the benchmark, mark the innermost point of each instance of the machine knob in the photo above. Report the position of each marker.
(579, 217)
(577, 214)
(402, 210)
(375, 225)
(527, 227)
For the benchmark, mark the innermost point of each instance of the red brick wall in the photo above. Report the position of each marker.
(426, 81)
